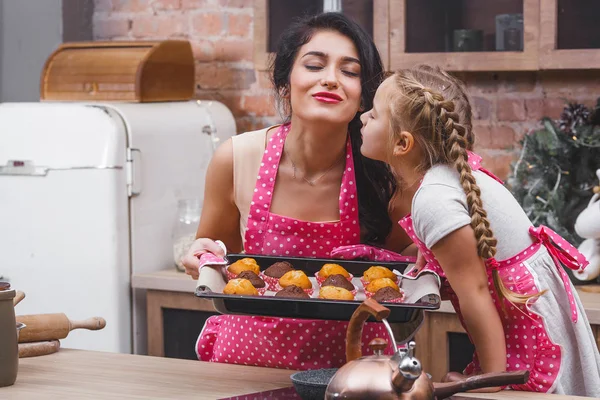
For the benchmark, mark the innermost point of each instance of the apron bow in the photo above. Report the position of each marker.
(563, 253)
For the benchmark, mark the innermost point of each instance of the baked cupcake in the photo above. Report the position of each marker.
(338, 281)
(331, 269)
(253, 278)
(292, 292)
(374, 286)
(388, 295)
(335, 293)
(244, 264)
(272, 274)
(240, 287)
(297, 278)
(376, 272)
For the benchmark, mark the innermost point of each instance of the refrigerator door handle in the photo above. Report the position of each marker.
(28, 168)
(134, 185)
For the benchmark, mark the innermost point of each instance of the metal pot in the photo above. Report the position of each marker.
(396, 377)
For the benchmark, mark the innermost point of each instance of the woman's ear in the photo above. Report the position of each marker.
(284, 92)
(404, 143)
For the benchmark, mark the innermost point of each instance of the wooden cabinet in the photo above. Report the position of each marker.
(460, 35)
(175, 319)
(443, 345)
(427, 31)
(569, 34)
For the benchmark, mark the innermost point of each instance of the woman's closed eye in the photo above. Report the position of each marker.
(313, 67)
(351, 73)
(344, 71)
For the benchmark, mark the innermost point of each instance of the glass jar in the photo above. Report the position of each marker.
(184, 230)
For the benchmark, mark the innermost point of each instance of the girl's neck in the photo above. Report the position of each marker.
(410, 177)
(313, 146)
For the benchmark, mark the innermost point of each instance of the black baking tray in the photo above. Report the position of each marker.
(311, 308)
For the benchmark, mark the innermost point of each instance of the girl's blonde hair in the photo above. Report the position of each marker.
(434, 107)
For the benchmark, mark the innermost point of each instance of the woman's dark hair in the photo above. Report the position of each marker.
(375, 183)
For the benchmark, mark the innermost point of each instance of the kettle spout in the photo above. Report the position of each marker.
(407, 372)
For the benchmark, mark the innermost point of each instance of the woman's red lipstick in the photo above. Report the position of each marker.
(327, 97)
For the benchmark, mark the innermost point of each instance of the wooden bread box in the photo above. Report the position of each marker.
(138, 71)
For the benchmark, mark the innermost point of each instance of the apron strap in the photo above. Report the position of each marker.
(475, 162)
(563, 253)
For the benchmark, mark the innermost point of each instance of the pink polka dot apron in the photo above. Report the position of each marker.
(528, 345)
(280, 342)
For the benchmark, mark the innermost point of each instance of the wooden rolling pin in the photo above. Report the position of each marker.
(42, 327)
(18, 297)
(38, 348)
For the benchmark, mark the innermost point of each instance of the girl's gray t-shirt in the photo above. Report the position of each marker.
(439, 207)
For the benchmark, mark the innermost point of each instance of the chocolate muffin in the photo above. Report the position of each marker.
(253, 278)
(386, 294)
(338, 281)
(278, 269)
(293, 292)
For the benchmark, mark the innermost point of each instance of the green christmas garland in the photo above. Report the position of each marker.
(555, 173)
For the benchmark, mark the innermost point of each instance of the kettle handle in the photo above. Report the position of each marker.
(367, 308)
(444, 390)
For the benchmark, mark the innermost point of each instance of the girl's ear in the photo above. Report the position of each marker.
(404, 143)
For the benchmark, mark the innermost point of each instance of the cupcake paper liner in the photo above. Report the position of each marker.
(270, 281)
(230, 275)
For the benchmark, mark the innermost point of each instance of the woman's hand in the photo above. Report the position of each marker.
(200, 246)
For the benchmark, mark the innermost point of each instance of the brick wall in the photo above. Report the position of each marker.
(506, 105)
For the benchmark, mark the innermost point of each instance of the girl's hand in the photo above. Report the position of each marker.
(191, 261)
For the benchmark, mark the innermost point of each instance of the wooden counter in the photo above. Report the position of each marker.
(171, 280)
(76, 374)
(170, 289)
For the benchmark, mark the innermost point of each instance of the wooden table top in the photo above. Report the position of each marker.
(78, 374)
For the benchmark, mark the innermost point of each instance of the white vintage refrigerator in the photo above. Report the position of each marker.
(88, 196)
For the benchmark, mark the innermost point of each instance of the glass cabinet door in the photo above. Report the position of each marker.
(466, 35)
(272, 17)
(570, 34)
(434, 26)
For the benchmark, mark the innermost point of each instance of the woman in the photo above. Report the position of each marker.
(262, 187)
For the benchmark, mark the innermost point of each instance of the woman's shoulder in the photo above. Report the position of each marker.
(252, 137)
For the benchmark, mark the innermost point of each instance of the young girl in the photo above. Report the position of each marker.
(504, 276)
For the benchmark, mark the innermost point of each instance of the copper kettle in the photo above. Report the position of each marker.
(396, 377)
